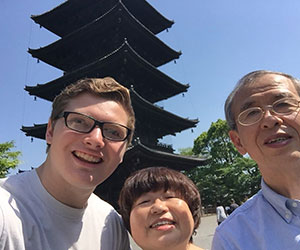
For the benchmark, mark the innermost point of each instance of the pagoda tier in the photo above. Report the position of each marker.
(103, 36)
(152, 122)
(127, 67)
(137, 157)
(73, 14)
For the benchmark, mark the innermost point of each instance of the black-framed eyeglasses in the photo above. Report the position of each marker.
(85, 124)
(280, 107)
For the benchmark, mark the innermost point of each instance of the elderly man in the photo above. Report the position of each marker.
(53, 206)
(263, 114)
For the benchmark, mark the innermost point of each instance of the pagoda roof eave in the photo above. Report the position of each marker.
(152, 157)
(122, 65)
(71, 15)
(82, 46)
(36, 131)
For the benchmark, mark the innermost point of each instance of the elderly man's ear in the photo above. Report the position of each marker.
(235, 138)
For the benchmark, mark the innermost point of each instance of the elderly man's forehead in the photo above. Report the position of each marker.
(279, 86)
(265, 82)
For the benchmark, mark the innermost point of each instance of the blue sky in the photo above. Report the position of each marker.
(220, 42)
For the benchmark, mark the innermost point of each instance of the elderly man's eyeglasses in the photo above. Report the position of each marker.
(281, 107)
(85, 124)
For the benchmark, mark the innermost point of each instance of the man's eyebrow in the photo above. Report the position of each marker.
(246, 105)
(283, 95)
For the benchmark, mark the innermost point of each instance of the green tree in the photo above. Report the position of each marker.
(186, 151)
(8, 159)
(227, 173)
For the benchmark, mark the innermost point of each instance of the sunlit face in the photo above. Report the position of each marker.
(160, 220)
(85, 160)
(274, 139)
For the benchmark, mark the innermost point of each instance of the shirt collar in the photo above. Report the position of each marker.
(284, 206)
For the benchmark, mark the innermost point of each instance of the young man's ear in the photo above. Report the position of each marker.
(49, 132)
(235, 138)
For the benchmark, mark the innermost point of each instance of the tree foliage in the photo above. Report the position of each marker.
(186, 151)
(227, 174)
(8, 158)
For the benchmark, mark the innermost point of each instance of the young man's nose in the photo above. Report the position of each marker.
(95, 138)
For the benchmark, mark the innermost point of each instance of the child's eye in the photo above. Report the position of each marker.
(170, 196)
(142, 202)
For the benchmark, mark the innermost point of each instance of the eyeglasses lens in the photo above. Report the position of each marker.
(114, 132)
(79, 122)
(250, 115)
(285, 106)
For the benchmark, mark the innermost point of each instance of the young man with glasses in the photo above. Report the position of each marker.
(53, 206)
(263, 114)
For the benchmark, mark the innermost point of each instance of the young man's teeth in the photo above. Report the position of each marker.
(86, 157)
